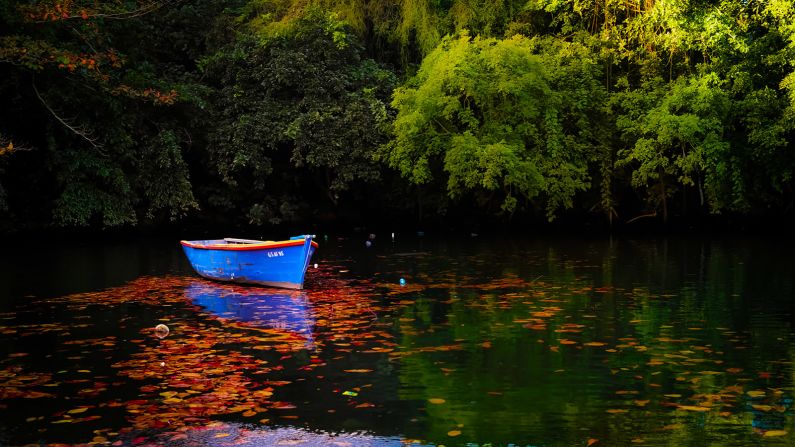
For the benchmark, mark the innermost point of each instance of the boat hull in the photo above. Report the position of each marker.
(274, 264)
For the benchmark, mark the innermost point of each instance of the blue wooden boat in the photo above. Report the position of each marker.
(268, 263)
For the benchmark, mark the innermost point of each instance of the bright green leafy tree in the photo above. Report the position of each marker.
(498, 118)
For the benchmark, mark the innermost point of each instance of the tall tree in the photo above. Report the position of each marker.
(98, 136)
(507, 117)
(299, 105)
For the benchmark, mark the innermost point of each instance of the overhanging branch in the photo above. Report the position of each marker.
(77, 130)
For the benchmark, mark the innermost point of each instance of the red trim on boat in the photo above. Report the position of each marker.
(238, 247)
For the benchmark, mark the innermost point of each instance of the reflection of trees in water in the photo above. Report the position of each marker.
(660, 335)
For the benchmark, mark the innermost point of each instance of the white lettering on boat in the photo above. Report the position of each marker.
(273, 254)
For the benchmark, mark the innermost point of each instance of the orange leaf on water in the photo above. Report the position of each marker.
(436, 400)
(591, 442)
(453, 433)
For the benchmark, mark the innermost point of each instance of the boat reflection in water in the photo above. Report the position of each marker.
(250, 435)
(284, 311)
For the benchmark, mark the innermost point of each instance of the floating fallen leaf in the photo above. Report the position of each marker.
(453, 433)
(358, 370)
(436, 400)
(693, 408)
(591, 442)
(773, 433)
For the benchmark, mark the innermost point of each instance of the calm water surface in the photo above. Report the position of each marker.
(530, 342)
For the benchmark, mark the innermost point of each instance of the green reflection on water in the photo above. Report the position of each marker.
(559, 350)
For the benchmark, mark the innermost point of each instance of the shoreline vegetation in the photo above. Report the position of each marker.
(174, 116)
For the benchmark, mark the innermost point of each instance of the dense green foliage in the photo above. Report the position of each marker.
(496, 115)
(268, 111)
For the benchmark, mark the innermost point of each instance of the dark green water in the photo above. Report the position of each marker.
(546, 341)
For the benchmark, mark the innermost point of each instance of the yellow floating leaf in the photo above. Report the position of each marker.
(762, 407)
(772, 433)
(693, 408)
(221, 435)
(436, 400)
(594, 343)
(756, 393)
(249, 413)
(358, 370)
(453, 433)
(77, 410)
(616, 410)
